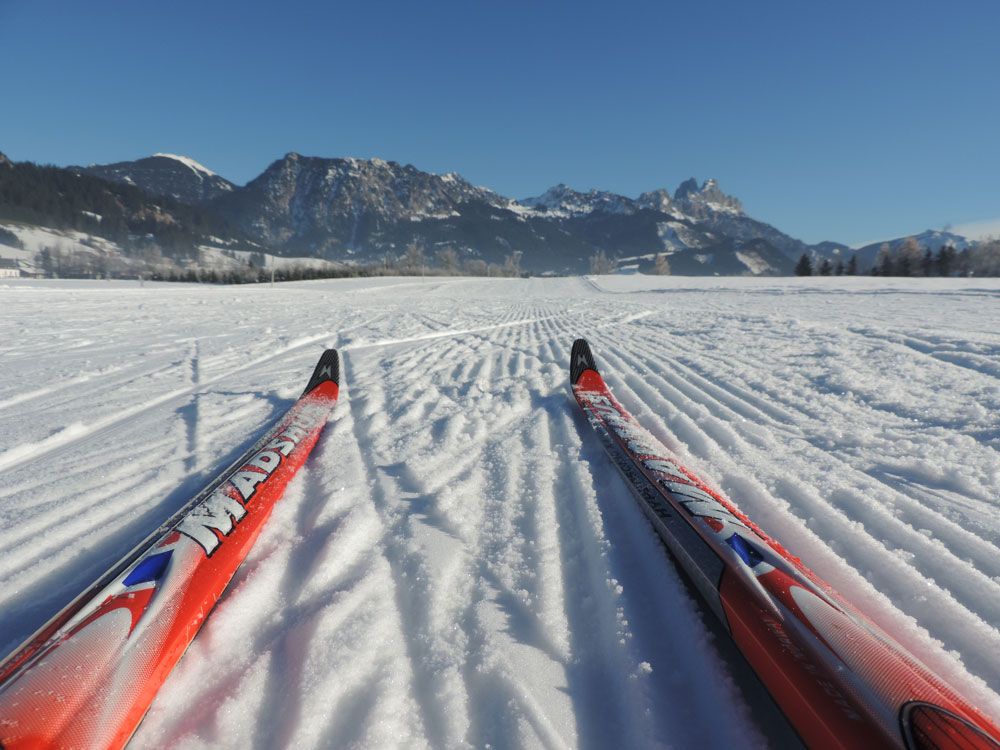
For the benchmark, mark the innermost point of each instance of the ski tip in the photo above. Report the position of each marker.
(580, 360)
(327, 369)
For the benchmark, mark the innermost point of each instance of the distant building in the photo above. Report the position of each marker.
(9, 268)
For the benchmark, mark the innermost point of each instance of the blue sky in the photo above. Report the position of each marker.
(851, 121)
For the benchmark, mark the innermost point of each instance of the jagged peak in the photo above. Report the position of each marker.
(686, 188)
(708, 195)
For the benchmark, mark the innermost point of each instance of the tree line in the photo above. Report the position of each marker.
(253, 268)
(911, 259)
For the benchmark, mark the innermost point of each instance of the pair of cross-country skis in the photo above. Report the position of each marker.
(88, 676)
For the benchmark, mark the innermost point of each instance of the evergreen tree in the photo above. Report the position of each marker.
(838, 270)
(825, 268)
(852, 265)
(927, 263)
(884, 265)
(904, 266)
(946, 260)
(804, 267)
(45, 262)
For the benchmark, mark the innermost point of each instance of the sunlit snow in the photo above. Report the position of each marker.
(459, 564)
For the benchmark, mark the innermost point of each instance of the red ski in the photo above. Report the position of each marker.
(86, 679)
(840, 680)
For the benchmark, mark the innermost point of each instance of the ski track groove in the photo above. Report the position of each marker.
(459, 564)
(373, 401)
(13, 457)
(955, 582)
(960, 538)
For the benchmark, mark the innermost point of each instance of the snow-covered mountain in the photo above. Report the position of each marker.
(367, 209)
(338, 208)
(705, 199)
(931, 239)
(866, 255)
(180, 177)
(324, 205)
(72, 209)
(563, 202)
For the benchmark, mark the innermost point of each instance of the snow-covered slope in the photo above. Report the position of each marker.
(459, 563)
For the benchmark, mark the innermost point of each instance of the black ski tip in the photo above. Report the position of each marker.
(580, 360)
(328, 368)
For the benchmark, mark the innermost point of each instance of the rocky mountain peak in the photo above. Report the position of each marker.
(707, 197)
(658, 200)
(685, 189)
(319, 204)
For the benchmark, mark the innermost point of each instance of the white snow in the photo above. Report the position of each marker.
(224, 258)
(35, 238)
(189, 163)
(459, 564)
(754, 263)
(16, 253)
(676, 236)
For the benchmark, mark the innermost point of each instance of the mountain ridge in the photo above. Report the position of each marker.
(353, 210)
(179, 177)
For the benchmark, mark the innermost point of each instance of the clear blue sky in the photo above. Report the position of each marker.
(839, 120)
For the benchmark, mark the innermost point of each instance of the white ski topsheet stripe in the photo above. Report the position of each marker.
(456, 516)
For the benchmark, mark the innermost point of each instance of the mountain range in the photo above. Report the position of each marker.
(366, 209)
(370, 210)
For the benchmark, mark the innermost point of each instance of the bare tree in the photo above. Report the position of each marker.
(512, 263)
(883, 261)
(476, 267)
(661, 266)
(984, 259)
(414, 260)
(909, 257)
(600, 264)
(448, 259)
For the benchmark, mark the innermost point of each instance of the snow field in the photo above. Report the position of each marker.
(459, 564)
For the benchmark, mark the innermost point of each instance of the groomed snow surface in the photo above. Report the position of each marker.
(459, 564)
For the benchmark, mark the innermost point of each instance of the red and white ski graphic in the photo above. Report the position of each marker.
(840, 680)
(87, 677)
